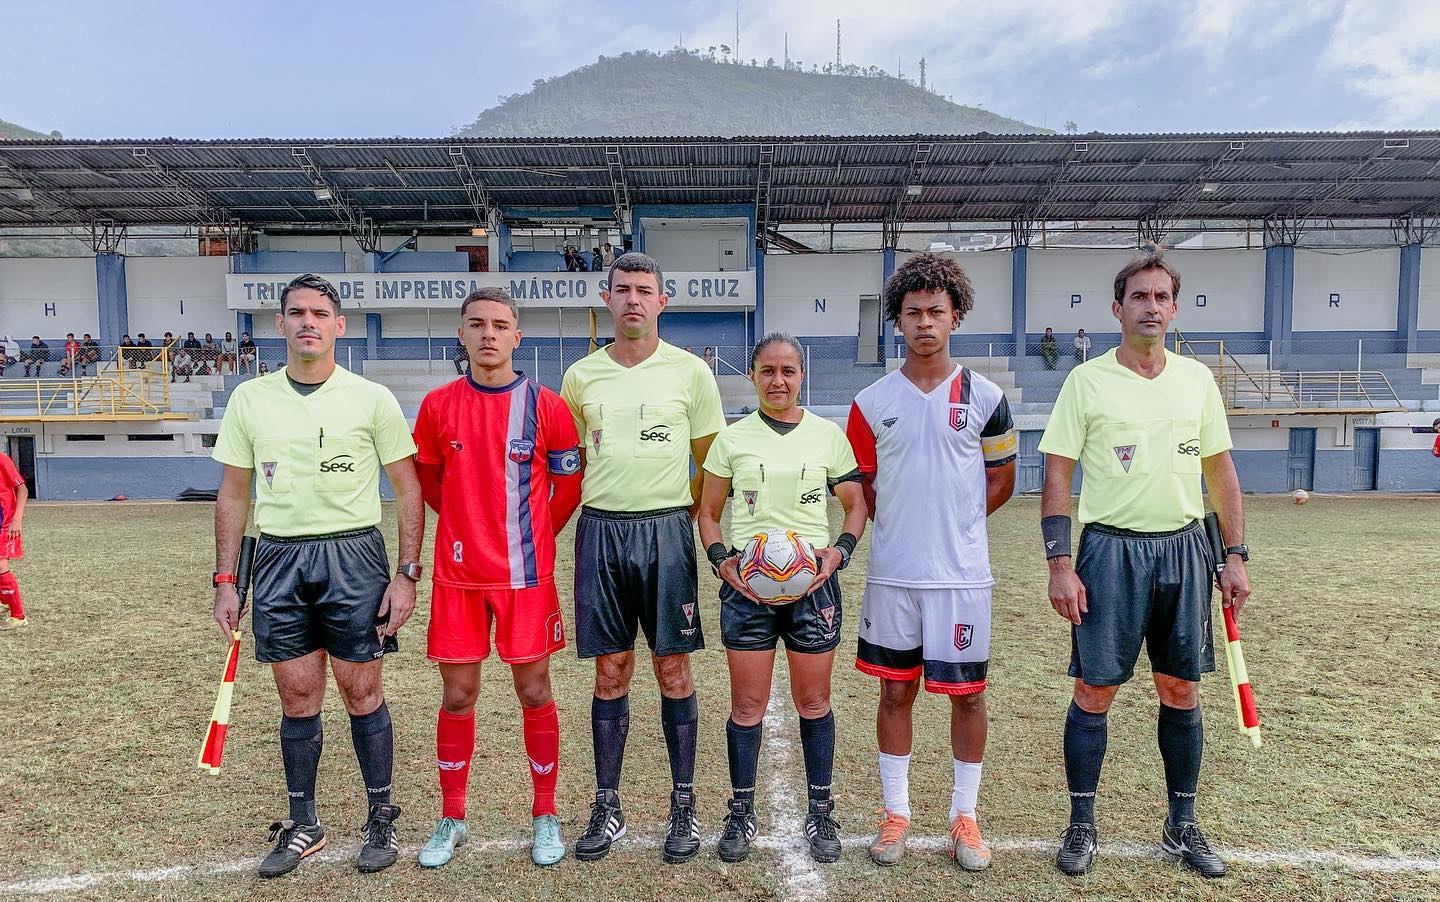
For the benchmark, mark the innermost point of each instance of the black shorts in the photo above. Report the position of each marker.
(636, 569)
(1151, 587)
(314, 592)
(809, 625)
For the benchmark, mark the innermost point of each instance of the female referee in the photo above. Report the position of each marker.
(777, 464)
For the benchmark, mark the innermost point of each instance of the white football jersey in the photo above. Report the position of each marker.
(929, 453)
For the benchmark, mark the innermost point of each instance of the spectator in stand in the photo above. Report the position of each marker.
(573, 261)
(229, 353)
(264, 368)
(247, 352)
(208, 361)
(182, 364)
(597, 260)
(191, 344)
(71, 355)
(37, 355)
(89, 354)
(126, 354)
(145, 358)
(1082, 346)
(608, 257)
(708, 355)
(5, 358)
(1050, 349)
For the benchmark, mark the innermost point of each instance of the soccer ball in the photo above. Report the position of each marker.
(1300, 496)
(778, 568)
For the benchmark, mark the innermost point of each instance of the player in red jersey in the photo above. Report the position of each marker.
(499, 461)
(13, 495)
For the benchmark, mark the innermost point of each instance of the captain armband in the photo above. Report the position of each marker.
(1056, 531)
(1000, 449)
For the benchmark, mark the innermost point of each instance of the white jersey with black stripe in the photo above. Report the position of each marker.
(929, 452)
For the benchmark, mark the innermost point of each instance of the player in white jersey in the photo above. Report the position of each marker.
(936, 446)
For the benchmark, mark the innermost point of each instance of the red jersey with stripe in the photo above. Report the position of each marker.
(498, 450)
(10, 478)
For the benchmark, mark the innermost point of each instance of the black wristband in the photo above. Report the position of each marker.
(717, 553)
(1056, 532)
(846, 543)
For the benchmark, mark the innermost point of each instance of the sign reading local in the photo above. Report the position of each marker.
(378, 291)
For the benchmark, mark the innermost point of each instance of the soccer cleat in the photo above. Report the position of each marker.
(293, 843)
(1193, 848)
(548, 846)
(822, 832)
(889, 845)
(11, 623)
(450, 833)
(967, 846)
(739, 831)
(607, 824)
(381, 846)
(1078, 845)
(682, 839)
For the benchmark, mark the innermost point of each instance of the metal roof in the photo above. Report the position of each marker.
(450, 184)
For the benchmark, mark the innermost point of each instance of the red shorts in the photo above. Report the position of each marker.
(11, 549)
(527, 622)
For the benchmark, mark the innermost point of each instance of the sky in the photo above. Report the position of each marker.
(258, 68)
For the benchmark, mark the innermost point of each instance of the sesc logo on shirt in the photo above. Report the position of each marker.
(340, 463)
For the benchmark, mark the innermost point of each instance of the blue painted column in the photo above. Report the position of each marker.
(757, 328)
(244, 322)
(887, 269)
(1019, 270)
(372, 335)
(1407, 322)
(113, 300)
(1279, 294)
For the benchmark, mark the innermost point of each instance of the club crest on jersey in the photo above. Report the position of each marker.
(521, 449)
(1126, 454)
(959, 415)
(456, 445)
(750, 498)
(964, 634)
(689, 611)
(267, 467)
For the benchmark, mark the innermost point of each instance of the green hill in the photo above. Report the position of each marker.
(688, 93)
(9, 130)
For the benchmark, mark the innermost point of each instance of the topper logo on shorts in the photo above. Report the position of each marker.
(964, 633)
(1126, 453)
(811, 497)
(660, 432)
(521, 449)
(959, 415)
(340, 463)
(1190, 447)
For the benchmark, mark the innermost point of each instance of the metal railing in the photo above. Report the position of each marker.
(1313, 391)
(132, 384)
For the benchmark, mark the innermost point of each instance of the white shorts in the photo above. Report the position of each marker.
(941, 633)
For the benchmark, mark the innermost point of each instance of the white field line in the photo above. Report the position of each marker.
(802, 879)
(1299, 859)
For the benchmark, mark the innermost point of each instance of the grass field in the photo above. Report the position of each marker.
(105, 695)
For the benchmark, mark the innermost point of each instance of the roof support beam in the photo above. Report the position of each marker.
(1157, 223)
(479, 198)
(619, 191)
(207, 213)
(910, 189)
(763, 172)
(1038, 206)
(362, 228)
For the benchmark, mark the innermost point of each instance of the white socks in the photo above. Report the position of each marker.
(895, 783)
(967, 788)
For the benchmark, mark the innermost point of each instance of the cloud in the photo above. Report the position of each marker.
(1391, 53)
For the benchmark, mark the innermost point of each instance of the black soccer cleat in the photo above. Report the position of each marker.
(293, 843)
(607, 824)
(739, 832)
(1187, 842)
(382, 846)
(822, 832)
(682, 839)
(1078, 845)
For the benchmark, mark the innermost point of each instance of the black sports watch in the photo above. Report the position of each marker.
(1242, 549)
(411, 571)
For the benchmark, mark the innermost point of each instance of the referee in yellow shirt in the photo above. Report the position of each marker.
(317, 435)
(1147, 425)
(643, 408)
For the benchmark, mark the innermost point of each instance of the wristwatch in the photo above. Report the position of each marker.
(1242, 549)
(411, 571)
(216, 578)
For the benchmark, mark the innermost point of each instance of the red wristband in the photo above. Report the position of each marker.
(217, 578)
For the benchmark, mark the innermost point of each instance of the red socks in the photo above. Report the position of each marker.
(454, 745)
(542, 747)
(10, 594)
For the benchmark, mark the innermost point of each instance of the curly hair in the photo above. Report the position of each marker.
(929, 272)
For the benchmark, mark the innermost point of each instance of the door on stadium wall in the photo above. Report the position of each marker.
(1302, 459)
(1031, 461)
(871, 330)
(21, 449)
(1367, 458)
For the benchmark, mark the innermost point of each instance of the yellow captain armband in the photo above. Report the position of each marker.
(999, 449)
